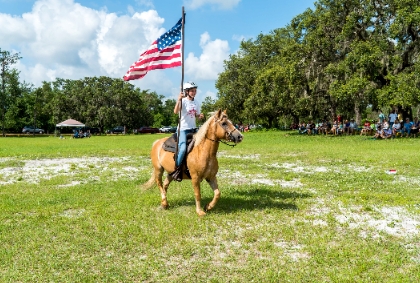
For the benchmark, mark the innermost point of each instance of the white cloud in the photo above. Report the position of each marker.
(211, 94)
(221, 4)
(210, 62)
(146, 3)
(239, 38)
(61, 38)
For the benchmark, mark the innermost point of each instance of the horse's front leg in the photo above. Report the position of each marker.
(213, 184)
(197, 194)
(164, 190)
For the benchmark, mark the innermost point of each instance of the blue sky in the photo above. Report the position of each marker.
(73, 39)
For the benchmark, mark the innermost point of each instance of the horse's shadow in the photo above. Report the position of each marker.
(253, 199)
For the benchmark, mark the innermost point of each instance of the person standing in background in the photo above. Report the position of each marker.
(392, 117)
(381, 117)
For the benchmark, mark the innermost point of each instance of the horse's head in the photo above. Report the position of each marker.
(225, 130)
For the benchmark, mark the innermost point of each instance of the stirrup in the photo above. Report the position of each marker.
(177, 174)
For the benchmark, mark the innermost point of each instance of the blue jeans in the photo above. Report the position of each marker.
(182, 145)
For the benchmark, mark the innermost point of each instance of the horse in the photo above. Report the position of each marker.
(201, 160)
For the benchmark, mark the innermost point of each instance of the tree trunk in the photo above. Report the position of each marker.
(357, 113)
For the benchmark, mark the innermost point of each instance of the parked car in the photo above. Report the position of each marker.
(116, 130)
(167, 129)
(146, 130)
(31, 129)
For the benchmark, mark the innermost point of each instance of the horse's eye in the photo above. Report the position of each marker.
(224, 124)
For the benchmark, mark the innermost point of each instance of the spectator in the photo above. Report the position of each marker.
(379, 131)
(385, 124)
(311, 128)
(353, 127)
(335, 127)
(392, 117)
(373, 126)
(415, 127)
(407, 127)
(318, 127)
(302, 128)
(340, 129)
(400, 117)
(381, 117)
(347, 126)
(294, 126)
(367, 130)
(396, 128)
(386, 133)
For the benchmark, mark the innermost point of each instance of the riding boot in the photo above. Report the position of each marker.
(177, 174)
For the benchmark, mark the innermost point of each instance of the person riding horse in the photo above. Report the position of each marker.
(190, 109)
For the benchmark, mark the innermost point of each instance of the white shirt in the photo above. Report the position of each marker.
(190, 109)
(392, 117)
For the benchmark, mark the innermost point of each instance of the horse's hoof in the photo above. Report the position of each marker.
(206, 208)
(201, 213)
(164, 207)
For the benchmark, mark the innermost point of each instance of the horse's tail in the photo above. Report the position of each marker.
(149, 183)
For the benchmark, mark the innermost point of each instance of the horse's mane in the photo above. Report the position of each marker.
(201, 134)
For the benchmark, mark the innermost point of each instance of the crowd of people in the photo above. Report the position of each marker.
(383, 128)
(81, 134)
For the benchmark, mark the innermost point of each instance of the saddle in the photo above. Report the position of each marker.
(170, 145)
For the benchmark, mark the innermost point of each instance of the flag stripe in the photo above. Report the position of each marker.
(149, 57)
(152, 59)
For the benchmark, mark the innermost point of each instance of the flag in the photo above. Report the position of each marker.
(165, 52)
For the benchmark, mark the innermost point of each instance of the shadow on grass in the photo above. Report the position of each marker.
(251, 199)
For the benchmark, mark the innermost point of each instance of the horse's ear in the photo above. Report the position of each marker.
(224, 112)
(218, 113)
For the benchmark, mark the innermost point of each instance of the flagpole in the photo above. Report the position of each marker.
(182, 48)
(182, 80)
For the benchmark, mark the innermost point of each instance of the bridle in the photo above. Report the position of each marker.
(229, 135)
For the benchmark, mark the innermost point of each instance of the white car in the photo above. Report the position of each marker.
(167, 129)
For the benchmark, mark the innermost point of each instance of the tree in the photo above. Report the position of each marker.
(6, 59)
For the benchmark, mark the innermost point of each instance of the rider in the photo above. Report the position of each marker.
(190, 109)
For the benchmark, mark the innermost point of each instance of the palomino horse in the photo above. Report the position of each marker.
(201, 161)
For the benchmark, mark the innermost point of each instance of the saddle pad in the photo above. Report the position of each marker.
(170, 143)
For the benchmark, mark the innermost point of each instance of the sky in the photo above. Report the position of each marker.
(73, 39)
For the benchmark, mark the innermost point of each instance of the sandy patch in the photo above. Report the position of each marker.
(248, 156)
(395, 221)
(299, 167)
(33, 171)
(238, 178)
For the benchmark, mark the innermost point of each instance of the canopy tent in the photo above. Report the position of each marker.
(70, 123)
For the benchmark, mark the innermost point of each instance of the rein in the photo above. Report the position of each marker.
(222, 141)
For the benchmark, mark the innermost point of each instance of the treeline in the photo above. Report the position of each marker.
(98, 102)
(343, 57)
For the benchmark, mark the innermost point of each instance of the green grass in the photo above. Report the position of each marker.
(293, 209)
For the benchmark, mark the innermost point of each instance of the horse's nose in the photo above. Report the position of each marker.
(240, 138)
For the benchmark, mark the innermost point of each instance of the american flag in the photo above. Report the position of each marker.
(165, 52)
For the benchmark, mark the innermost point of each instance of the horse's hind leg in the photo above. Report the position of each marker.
(213, 184)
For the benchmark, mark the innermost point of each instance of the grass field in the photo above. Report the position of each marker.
(293, 209)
